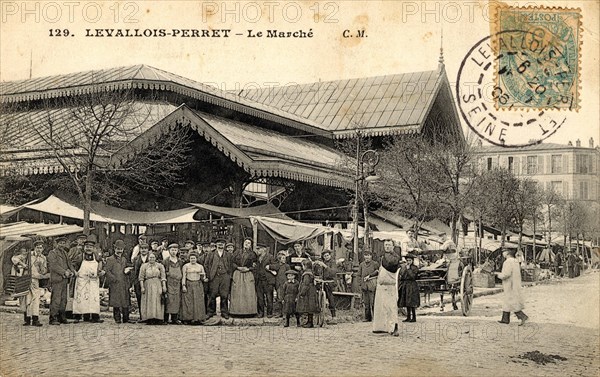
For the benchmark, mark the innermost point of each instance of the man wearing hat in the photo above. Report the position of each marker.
(61, 269)
(118, 271)
(76, 256)
(266, 271)
(219, 266)
(86, 301)
(327, 270)
(230, 248)
(137, 266)
(297, 256)
(153, 247)
(30, 304)
(367, 273)
(142, 239)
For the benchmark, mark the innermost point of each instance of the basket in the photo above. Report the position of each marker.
(371, 284)
(483, 280)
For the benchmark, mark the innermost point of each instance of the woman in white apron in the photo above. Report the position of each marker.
(86, 300)
(385, 312)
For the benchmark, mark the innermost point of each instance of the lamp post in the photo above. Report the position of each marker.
(370, 157)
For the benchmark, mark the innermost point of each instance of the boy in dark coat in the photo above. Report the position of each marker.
(307, 293)
(289, 295)
(409, 289)
(281, 267)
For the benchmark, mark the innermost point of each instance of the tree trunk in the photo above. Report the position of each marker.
(549, 225)
(87, 203)
(534, 230)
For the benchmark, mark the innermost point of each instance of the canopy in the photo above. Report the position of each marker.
(244, 214)
(287, 231)
(107, 214)
(493, 245)
(12, 231)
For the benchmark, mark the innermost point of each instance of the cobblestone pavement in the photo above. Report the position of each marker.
(446, 344)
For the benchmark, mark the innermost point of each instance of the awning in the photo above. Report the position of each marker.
(12, 231)
(434, 226)
(493, 245)
(287, 231)
(113, 215)
(244, 214)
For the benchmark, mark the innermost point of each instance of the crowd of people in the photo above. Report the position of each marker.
(173, 283)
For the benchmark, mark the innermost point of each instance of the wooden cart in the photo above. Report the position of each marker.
(454, 276)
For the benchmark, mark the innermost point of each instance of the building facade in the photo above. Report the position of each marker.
(571, 170)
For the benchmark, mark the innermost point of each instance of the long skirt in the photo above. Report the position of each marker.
(152, 308)
(385, 312)
(243, 294)
(174, 293)
(192, 302)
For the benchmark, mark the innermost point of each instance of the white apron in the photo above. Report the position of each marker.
(87, 289)
(385, 312)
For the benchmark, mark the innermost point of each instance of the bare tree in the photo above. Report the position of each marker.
(552, 203)
(454, 174)
(408, 185)
(524, 204)
(497, 187)
(81, 133)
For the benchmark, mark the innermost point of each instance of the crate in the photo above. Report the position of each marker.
(483, 280)
(17, 285)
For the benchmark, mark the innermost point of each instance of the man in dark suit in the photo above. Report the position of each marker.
(61, 269)
(219, 267)
(140, 259)
(265, 281)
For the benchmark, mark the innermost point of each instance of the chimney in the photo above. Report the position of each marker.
(578, 143)
(591, 142)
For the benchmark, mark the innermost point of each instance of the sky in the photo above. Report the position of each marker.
(400, 36)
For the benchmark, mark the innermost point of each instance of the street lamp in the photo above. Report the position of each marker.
(371, 158)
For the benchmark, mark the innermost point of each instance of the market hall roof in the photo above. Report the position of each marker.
(260, 152)
(145, 77)
(381, 105)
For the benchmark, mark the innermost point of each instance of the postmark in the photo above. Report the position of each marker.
(538, 64)
(477, 93)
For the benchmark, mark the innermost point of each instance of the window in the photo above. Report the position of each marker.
(556, 186)
(489, 163)
(582, 164)
(583, 190)
(556, 164)
(532, 164)
(511, 164)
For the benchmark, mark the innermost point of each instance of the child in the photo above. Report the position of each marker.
(288, 297)
(280, 278)
(307, 293)
(409, 289)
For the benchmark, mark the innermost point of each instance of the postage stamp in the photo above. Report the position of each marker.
(538, 57)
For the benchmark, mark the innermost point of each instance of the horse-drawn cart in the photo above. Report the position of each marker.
(453, 275)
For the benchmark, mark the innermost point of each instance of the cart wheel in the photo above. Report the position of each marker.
(466, 290)
(320, 317)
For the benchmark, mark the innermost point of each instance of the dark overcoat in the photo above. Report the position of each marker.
(118, 281)
(307, 294)
(409, 288)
